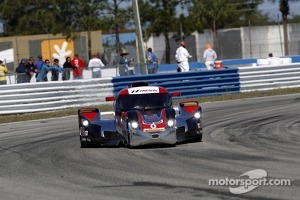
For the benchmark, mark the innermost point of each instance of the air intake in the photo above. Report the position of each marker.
(137, 84)
(155, 136)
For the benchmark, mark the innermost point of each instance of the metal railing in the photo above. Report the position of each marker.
(269, 77)
(53, 95)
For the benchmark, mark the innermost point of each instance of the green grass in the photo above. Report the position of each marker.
(108, 107)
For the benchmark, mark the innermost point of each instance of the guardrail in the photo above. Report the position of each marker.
(269, 77)
(47, 96)
(43, 96)
(190, 84)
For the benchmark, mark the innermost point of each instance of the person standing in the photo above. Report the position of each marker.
(38, 64)
(23, 72)
(79, 65)
(124, 64)
(68, 67)
(3, 72)
(95, 64)
(42, 76)
(151, 61)
(55, 71)
(31, 66)
(209, 57)
(270, 56)
(182, 55)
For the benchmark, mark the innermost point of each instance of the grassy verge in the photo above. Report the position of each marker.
(108, 107)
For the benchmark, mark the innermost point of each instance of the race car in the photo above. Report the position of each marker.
(143, 115)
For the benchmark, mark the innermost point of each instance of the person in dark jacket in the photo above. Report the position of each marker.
(68, 67)
(23, 72)
(55, 72)
(30, 64)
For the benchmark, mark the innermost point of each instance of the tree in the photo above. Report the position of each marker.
(117, 15)
(87, 14)
(284, 8)
(285, 11)
(219, 14)
(52, 16)
(34, 17)
(159, 16)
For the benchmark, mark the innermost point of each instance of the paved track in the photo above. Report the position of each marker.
(42, 160)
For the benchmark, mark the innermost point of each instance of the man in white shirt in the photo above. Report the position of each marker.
(182, 56)
(96, 64)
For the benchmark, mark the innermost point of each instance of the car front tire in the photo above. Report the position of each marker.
(83, 144)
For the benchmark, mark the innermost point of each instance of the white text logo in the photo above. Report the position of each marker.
(256, 177)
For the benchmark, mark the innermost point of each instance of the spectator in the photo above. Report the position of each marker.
(182, 56)
(55, 71)
(151, 61)
(23, 72)
(3, 72)
(68, 67)
(42, 76)
(79, 65)
(124, 63)
(209, 57)
(95, 64)
(270, 56)
(38, 64)
(31, 65)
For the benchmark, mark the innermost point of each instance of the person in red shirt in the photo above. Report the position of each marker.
(79, 64)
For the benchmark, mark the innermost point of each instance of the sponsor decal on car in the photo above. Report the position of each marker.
(149, 130)
(153, 128)
(145, 90)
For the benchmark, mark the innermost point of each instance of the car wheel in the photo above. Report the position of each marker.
(128, 136)
(129, 141)
(199, 139)
(83, 144)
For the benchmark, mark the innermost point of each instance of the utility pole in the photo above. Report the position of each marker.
(141, 56)
(250, 39)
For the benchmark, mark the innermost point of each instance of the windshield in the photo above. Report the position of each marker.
(145, 101)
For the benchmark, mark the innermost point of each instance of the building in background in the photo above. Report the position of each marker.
(13, 49)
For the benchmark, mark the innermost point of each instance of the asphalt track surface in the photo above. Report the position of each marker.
(42, 159)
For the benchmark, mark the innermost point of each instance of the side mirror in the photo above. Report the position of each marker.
(110, 98)
(176, 94)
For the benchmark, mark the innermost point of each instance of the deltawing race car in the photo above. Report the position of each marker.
(143, 115)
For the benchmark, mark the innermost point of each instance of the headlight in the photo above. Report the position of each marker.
(197, 115)
(85, 122)
(171, 123)
(134, 125)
